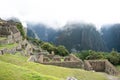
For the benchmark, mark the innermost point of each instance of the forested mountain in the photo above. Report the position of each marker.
(111, 36)
(74, 36)
(81, 36)
(30, 33)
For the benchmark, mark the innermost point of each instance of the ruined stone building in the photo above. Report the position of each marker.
(9, 32)
(70, 61)
(100, 66)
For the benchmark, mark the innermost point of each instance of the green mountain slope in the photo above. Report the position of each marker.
(16, 67)
(81, 36)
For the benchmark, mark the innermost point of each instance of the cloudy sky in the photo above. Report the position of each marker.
(58, 12)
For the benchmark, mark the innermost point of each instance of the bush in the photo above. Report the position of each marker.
(114, 57)
(47, 46)
(61, 50)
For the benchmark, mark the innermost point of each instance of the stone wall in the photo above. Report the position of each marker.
(2, 42)
(4, 30)
(19, 48)
(1, 52)
(110, 69)
(13, 29)
(71, 64)
(10, 51)
(87, 66)
(10, 39)
(17, 37)
(100, 65)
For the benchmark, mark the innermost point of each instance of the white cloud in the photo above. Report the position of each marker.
(60, 11)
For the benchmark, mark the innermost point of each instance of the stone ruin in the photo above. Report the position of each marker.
(100, 66)
(72, 61)
(9, 32)
(51, 59)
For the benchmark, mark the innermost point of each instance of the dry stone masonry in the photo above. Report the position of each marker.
(9, 32)
(101, 66)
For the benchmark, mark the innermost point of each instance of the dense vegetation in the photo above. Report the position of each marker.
(113, 56)
(58, 50)
(21, 29)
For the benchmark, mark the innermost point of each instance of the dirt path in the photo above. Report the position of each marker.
(112, 77)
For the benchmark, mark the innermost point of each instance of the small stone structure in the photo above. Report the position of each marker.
(101, 66)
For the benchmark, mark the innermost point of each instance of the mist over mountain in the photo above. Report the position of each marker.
(81, 36)
(74, 36)
(42, 32)
(111, 36)
(78, 36)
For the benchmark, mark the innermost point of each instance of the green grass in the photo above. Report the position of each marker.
(8, 46)
(12, 72)
(118, 68)
(61, 73)
(3, 38)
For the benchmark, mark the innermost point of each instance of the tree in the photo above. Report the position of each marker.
(83, 54)
(113, 57)
(61, 50)
(94, 55)
(47, 46)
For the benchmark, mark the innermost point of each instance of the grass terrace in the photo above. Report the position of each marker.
(3, 38)
(8, 46)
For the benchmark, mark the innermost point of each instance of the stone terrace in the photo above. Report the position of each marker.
(9, 32)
